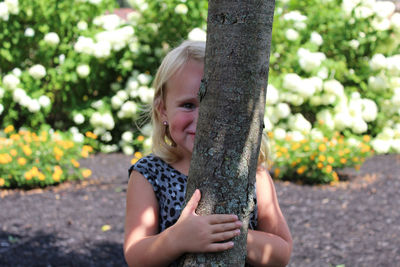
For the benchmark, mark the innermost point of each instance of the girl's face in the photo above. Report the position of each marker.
(180, 106)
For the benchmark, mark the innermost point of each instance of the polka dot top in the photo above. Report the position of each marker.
(169, 186)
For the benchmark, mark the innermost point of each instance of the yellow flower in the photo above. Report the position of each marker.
(320, 165)
(277, 171)
(335, 177)
(295, 146)
(5, 158)
(58, 153)
(75, 163)
(27, 150)
(322, 147)
(343, 160)
(2, 181)
(307, 148)
(328, 169)
(138, 155)
(140, 138)
(134, 160)
(15, 137)
(322, 158)
(301, 170)
(91, 135)
(21, 161)
(270, 134)
(366, 138)
(41, 176)
(331, 160)
(28, 175)
(13, 152)
(86, 173)
(9, 129)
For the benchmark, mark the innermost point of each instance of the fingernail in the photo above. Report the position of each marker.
(237, 232)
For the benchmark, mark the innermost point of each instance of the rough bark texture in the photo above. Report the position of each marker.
(229, 129)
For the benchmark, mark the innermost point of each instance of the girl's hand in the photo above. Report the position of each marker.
(195, 233)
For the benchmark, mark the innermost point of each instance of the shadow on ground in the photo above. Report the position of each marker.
(43, 249)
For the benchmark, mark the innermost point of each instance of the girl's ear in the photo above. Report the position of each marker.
(161, 109)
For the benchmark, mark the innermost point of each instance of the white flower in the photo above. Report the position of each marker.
(44, 101)
(396, 145)
(52, 38)
(384, 9)
(342, 120)
(108, 121)
(291, 34)
(83, 70)
(1, 108)
(78, 137)
(396, 97)
(96, 119)
(267, 124)
(326, 118)
(34, 106)
(4, 13)
(84, 45)
(393, 65)
(147, 129)
(291, 81)
(79, 118)
(106, 137)
(122, 95)
(359, 125)
(272, 95)
(127, 136)
(37, 71)
(29, 32)
(377, 83)
(299, 123)
(316, 134)
(395, 21)
(146, 94)
(381, 24)
(316, 38)
(295, 16)
(97, 104)
(19, 94)
(61, 58)
(95, 2)
(308, 60)
(296, 136)
(282, 110)
(197, 34)
(279, 133)
(128, 150)
(334, 87)
(128, 110)
(381, 146)
(109, 148)
(362, 12)
(10, 81)
(116, 102)
(144, 79)
(108, 22)
(369, 110)
(181, 9)
(13, 6)
(102, 49)
(2, 92)
(354, 44)
(82, 25)
(378, 62)
(17, 72)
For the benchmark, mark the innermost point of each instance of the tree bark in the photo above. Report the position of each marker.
(230, 125)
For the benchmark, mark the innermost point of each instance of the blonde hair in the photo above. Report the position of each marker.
(163, 145)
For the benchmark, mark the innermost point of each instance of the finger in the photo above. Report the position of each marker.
(222, 218)
(216, 247)
(224, 236)
(224, 227)
(194, 201)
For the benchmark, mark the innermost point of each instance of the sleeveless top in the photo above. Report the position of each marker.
(169, 186)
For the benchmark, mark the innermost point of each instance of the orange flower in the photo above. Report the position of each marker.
(322, 147)
(366, 138)
(86, 173)
(301, 170)
(21, 161)
(13, 152)
(134, 160)
(91, 135)
(75, 163)
(322, 158)
(27, 150)
(328, 169)
(140, 138)
(343, 160)
(9, 129)
(2, 181)
(277, 171)
(331, 160)
(320, 165)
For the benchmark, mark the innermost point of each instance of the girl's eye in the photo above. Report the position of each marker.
(188, 105)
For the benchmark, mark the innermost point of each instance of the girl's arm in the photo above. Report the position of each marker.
(271, 244)
(143, 246)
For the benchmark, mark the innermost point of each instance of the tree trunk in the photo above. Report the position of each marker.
(230, 125)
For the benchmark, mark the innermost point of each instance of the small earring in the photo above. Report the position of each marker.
(165, 123)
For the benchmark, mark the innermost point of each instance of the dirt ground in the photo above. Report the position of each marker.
(355, 223)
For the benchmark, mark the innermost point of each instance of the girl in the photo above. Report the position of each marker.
(157, 231)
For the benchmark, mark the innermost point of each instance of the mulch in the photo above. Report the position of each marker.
(355, 223)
